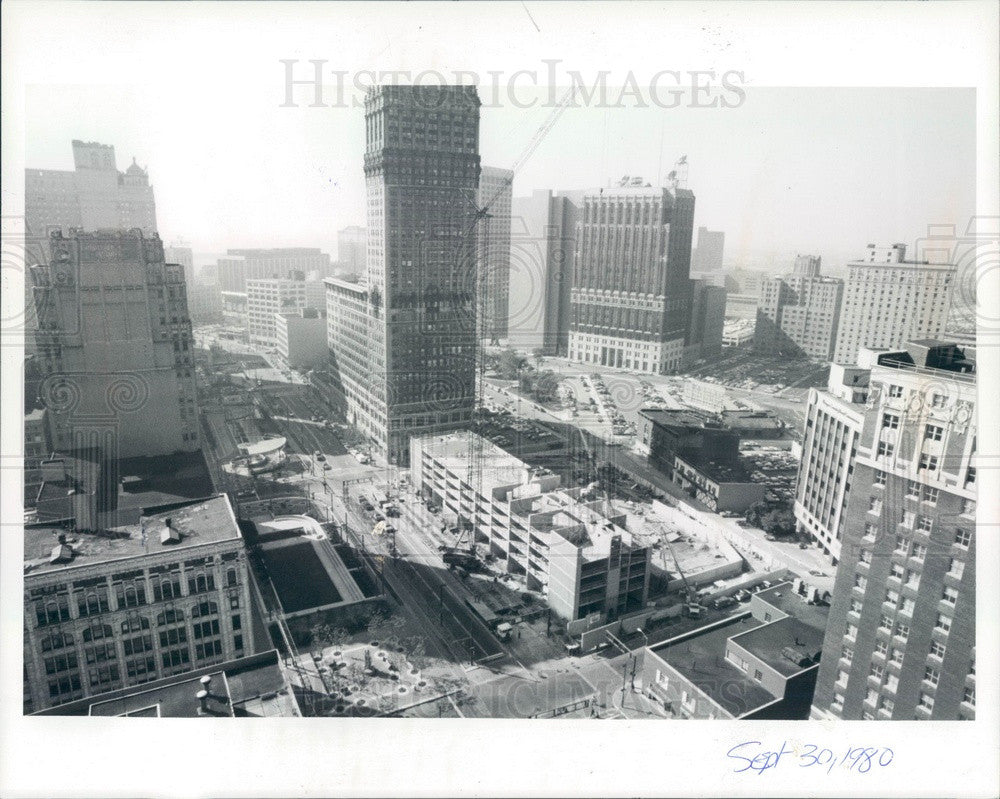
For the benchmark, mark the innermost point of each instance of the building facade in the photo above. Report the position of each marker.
(122, 607)
(707, 255)
(913, 301)
(495, 190)
(266, 299)
(181, 253)
(543, 250)
(114, 342)
(36, 437)
(798, 313)
(708, 318)
(565, 543)
(901, 641)
(300, 338)
(421, 170)
(240, 265)
(834, 419)
(631, 295)
(352, 246)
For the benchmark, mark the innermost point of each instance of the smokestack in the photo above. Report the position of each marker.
(206, 683)
(202, 702)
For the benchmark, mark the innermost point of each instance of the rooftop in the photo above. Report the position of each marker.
(500, 469)
(769, 641)
(250, 686)
(191, 523)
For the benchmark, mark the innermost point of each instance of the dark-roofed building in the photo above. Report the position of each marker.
(761, 664)
(701, 455)
(115, 607)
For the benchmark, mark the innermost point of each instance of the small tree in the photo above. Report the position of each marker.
(538, 354)
(510, 364)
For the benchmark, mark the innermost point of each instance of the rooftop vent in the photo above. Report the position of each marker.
(170, 535)
(61, 554)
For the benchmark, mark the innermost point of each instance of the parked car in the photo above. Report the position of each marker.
(724, 602)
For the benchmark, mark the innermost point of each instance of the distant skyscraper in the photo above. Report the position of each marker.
(708, 318)
(494, 255)
(236, 267)
(707, 255)
(114, 342)
(352, 244)
(181, 253)
(543, 248)
(889, 301)
(631, 296)
(416, 373)
(94, 196)
(901, 639)
(798, 313)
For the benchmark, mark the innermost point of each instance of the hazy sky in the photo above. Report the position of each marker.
(816, 170)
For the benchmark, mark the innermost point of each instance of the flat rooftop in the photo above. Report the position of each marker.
(500, 469)
(700, 659)
(197, 522)
(769, 641)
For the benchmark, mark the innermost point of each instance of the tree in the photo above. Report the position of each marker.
(546, 386)
(510, 364)
(538, 354)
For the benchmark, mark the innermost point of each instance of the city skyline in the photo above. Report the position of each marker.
(793, 181)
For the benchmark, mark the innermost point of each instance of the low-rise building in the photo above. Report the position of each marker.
(737, 332)
(565, 542)
(113, 607)
(759, 664)
(301, 337)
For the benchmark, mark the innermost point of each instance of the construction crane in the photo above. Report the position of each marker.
(481, 215)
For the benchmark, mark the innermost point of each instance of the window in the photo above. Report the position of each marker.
(926, 701)
(902, 545)
(871, 697)
(59, 663)
(92, 601)
(924, 524)
(842, 678)
(963, 537)
(95, 632)
(895, 392)
(865, 556)
(231, 577)
(234, 600)
(874, 505)
(881, 647)
(937, 400)
(907, 518)
(896, 656)
(919, 552)
(969, 697)
(238, 642)
(861, 583)
(890, 421)
(931, 495)
(943, 623)
(931, 675)
(200, 583)
(907, 607)
(209, 649)
(846, 653)
(134, 624)
(885, 622)
(168, 587)
(176, 635)
(206, 629)
(236, 621)
(957, 568)
(968, 507)
(912, 489)
(896, 571)
(141, 669)
(937, 650)
(851, 632)
(137, 645)
(886, 705)
(758, 674)
(204, 609)
(838, 702)
(130, 594)
(856, 606)
(902, 630)
(891, 597)
(879, 478)
(891, 683)
(927, 463)
(870, 531)
(933, 432)
(885, 449)
(56, 641)
(877, 671)
(176, 657)
(949, 595)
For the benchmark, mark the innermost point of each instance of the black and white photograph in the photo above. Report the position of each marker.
(467, 399)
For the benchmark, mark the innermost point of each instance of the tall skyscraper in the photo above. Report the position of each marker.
(707, 255)
(708, 318)
(114, 342)
(181, 253)
(798, 313)
(834, 419)
(543, 249)
(352, 245)
(238, 266)
(94, 196)
(912, 298)
(902, 633)
(419, 364)
(494, 253)
(631, 295)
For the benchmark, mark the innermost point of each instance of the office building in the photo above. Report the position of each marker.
(901, 643)
(181, 253)
(631, 295)
(238, 266)
(834, 419)
(94, 196)
(421, 171)
(759, 664)
(300, 337)
(707, 254)
(708, 318)
(543, 250)
(701, 455)
(798, 313)
(742, 306)
(107, 609)
(352, 246)
(266, 298)
(205, 303)
(912, 300)
(565, 542)
(493, 257)
(115, 344)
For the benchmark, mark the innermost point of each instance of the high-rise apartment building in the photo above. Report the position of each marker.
(352, 245)
(631, 295)
(707, 255)
(901, 641)
(421, 171)
(114, 342)
(236, 267)
(834, 419)
(543, 249)
(115, 608)
(494, 251)
(798, 313)
(889, 301)
(266, 298)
